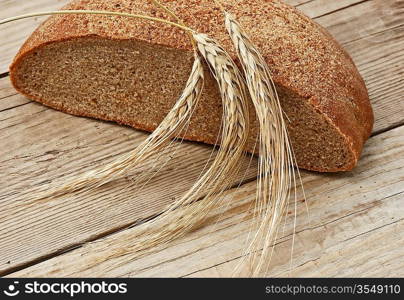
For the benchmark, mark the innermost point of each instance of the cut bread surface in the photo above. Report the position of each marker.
(136, 84)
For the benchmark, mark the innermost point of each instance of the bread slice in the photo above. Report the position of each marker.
(132, 71)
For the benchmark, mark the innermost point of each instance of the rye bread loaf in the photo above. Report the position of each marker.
(132, 71)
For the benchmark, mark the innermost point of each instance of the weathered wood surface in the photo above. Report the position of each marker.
(361, 207)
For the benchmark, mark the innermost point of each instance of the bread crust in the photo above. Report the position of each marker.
(302, 56)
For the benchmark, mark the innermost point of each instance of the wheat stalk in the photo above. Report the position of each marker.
(178, 19)
(276, 159)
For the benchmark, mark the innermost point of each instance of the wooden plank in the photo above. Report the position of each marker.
(380, 60)
(344, 259)
(352, 23)
(6, 89)
(296, 2)
(317, 8)
(356, 223)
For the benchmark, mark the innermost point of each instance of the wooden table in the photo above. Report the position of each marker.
(356, 223)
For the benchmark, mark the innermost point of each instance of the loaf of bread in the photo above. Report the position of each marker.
(132, 71)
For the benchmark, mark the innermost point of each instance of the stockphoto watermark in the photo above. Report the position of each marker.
(71, 289)
(347, 289)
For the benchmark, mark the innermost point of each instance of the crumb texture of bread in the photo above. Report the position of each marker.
(132, 71)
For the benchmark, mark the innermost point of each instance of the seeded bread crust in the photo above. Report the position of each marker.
(303, 57)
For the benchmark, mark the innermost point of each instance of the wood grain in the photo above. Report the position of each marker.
(318, 8)
(347, 212)
(342, 259)
(363, 20)
(40, 145)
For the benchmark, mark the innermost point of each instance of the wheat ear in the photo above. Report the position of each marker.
(276, 159)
